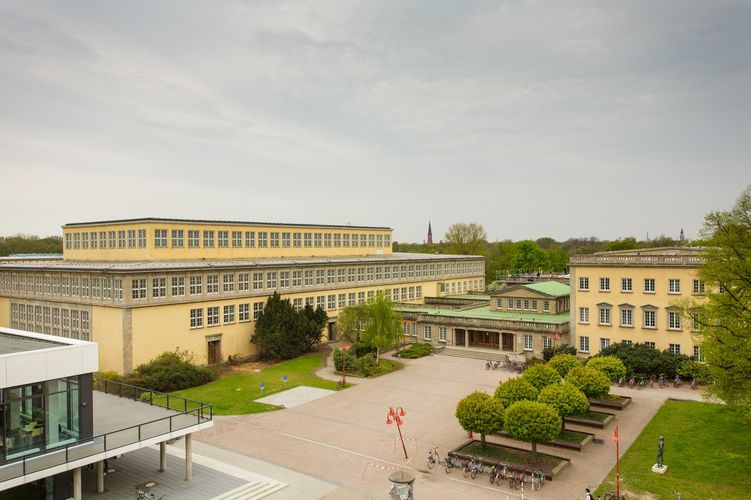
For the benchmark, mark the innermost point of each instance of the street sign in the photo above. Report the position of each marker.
(262, 386)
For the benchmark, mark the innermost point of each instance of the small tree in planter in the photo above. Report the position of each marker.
(480, 413)
(532, 422)
(515, 389)
(541, 376)
(593, 383)
(566, 399)
(563, 363)
(611, 366)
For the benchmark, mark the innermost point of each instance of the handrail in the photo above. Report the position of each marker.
(99, 443)
(142, 391)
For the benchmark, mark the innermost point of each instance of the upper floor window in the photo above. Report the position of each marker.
(160, 238)
(605, 315)
(626, 285)
(649, 285)
(194, 239)
(604, 284)
(674, 285)
(263, 239)
(583, 283)
(250, 239)
(208, 239)
(698, 286)
(223, 238)
(237, 239)
(178, 238)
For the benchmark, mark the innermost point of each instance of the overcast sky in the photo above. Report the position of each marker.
(560, 119)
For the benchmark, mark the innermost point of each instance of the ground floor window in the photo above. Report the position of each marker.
(427, 333)
(604, 343)
(650, 344)
(584, 344)
(675, 348)
(442, 334)
(547, 342)
(697, 353)
(528, 342)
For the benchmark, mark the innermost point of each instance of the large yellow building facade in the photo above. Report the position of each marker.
(153, 285)
(635, 296)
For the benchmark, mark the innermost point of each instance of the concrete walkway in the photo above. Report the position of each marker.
(295, 396)
(343, 438)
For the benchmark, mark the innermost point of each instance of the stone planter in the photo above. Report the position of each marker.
(590, 422)
(562, 443)
(616, 403)
(551, 465)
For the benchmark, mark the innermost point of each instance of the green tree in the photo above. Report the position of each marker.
(480, 413)
(21, 243)
(532, 422)
(548, 353)
(563, 363)
(566, 399)
(466, 238)
(611, 366)
(350, 323)
(627, 243)
(541, 376)
(529, 257)
(724, 317)
(513, 390)
(593, 383)
(283, 333)
(383, 327)
(314, 322)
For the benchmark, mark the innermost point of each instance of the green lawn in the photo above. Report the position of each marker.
(234, 394)
(707, 451)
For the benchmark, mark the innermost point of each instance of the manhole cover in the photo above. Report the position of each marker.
(150, 484)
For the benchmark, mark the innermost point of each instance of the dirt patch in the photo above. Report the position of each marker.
(248, 367)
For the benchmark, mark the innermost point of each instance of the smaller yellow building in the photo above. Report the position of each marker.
(635, 296)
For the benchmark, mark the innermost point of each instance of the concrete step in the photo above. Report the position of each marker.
(467, 353)
(252, 490)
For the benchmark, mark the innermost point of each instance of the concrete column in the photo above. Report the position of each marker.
(77, 483)
(466, 338)
(189, 457)
(162, 456)
(100, 476)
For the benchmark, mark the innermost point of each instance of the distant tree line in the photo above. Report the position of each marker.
(22, 243)
(540, 255)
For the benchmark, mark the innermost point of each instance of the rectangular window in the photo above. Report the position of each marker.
(196, 285)
(342, 301)
(350, 275)
(196, 318)
(138, 289)
(533, 305)
(327, 240)
(131, 238)
(546, 305)
(604, 284)
(604, 315)
(321, 302)
(698, 286)
(243, 282)
(360, 274)
(363, 240)
(178, 238)
(212, 316)
(212, 283)
(331, 276)
(355, 241)
(159, 287)
(510, 303)
(308, 238)
(257, 309)
(229, 314)
(583, 344)
(697, 354)
(528, 342)
(160, 238)
(297, 240)
(379, 240)
(345, 240)
(337, 240)
(604, 344)
(237, 239)
(674, 320)
(547, 342)
(674, 286)
(627, 317)
(208, 239)
(263, 239)
(320, 276)
(271, 280)
(141, 238)
(284, 279)
(257, 281)
(250, 239)
(274, 239)
(121, 239)
(650, 344)
(371, 240)
(243, 312)
(526, 304)
(351, 299)
(331, 302)
(650, 318)
(285, 240)
(178, 286)
(584, 315)
(441, 334)
(360, 297)
(223, 239)
(229, 283)
(309, 277)
(194, 239)
(297, 304)
(674, 348)
(649, 285)
(296, 278)
(111, 235)
(93, 240)
(427, 332)
(584, 284)
(317, 238)
(626, 285)
(118, 289)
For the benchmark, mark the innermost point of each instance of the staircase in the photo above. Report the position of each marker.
(473, 354)
(252, 490)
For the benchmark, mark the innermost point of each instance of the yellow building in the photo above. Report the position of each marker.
(634, 296)
(144, 286)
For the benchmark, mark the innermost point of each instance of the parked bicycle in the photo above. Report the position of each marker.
(694, 384)
(538, 479)
(632, 383)
(641, 385)
(488, 364)
(496, 365)
(663, 381)
(677, 382)
(145, 495)
(452, 463)
(475, 467)
(652, 381)
(621, 382)
(434, 458)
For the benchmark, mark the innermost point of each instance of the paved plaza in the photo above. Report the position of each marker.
(342, 440)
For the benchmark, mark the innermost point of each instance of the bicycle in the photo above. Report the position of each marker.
(677, 382)
(641, 384)
(632, 383)
(145, 495)
(466, 468)
(488, 364)
(663, 381)
(433, 458)
(538, 479)
(451, 463)
(494, 472)
(652, 382)
(621, 382)
(694, 384)
(475, 468)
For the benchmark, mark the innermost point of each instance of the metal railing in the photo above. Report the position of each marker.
(192, 413)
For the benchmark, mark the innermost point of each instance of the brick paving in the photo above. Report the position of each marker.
(336, 438)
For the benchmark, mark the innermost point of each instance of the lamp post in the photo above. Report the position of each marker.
(617, 464)
(344, 348)
(396, 416)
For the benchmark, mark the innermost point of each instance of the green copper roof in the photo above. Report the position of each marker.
(553, 288)
(487, 313)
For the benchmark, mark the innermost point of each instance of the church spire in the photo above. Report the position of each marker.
(430, 234)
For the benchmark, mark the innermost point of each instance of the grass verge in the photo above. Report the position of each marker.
(234, 394)
(707, 451)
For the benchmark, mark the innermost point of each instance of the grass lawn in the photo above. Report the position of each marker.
(234, 394)
(384, 366)
(707, 451)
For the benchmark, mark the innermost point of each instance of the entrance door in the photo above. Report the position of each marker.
(215, 352)
(332, 332)
(508, 341)
(459, 337)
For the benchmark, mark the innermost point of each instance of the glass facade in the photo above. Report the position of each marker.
(38, 417)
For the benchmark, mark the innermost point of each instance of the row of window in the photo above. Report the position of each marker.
(524, 304)
(180, 238)
(649, 317)
(52, 320)
(83, 286)
(605, 342)
(674, 285)
(228, 314)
